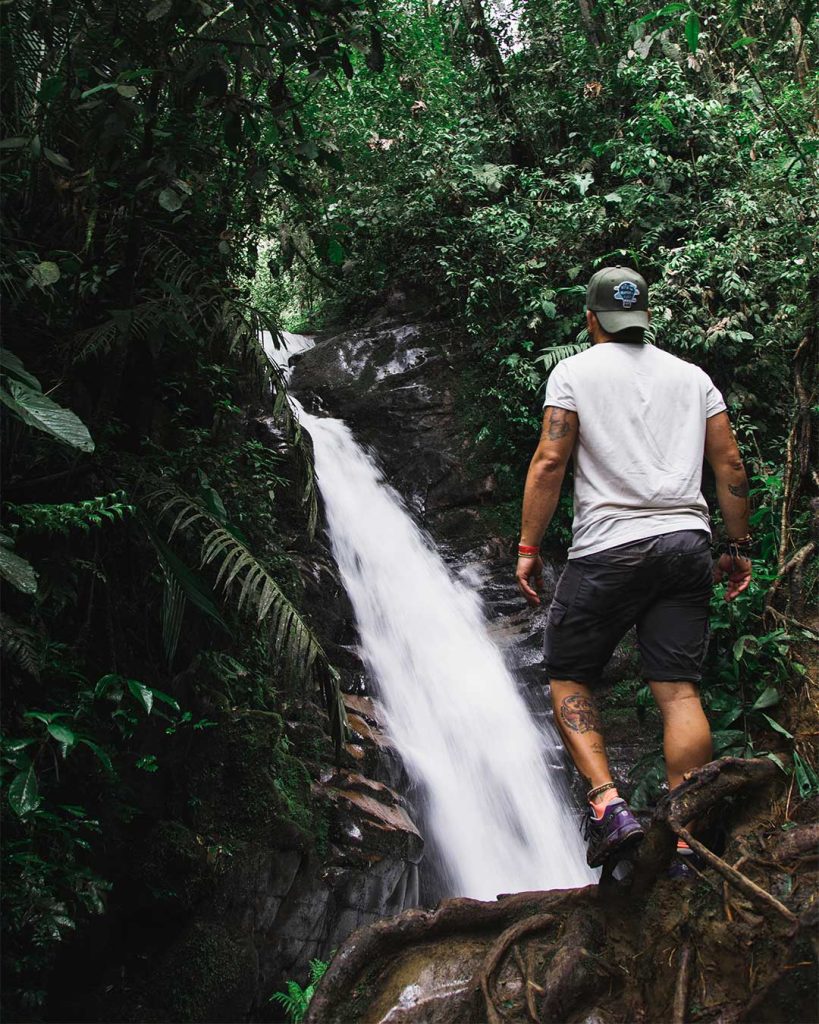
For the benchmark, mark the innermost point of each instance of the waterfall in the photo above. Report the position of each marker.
(501, 816)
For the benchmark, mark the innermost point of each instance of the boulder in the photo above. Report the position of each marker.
(399, 387)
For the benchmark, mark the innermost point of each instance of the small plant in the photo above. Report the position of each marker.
(296, 999)
(80, 514)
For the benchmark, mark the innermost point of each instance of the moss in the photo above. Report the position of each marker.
(207, 976)
(245, 783)
(173, 873)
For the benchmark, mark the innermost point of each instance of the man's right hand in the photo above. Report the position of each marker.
(737, 570)
(529, 576)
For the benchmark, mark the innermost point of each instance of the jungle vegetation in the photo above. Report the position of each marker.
(180, 175)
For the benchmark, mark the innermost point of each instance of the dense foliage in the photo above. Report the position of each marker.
(180, 176)
(152, 526)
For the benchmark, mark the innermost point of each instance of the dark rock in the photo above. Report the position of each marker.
(398, 385)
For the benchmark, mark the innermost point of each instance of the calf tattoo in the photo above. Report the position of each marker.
(580, 714)
(740, 490)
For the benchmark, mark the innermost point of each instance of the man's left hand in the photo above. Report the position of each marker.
(529, 576)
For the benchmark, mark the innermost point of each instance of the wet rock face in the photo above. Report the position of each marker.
(397, 386)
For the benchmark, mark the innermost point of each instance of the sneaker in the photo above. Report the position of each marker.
(686, 866)
(615, 833)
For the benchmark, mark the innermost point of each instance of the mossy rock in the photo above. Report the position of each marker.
(174, 872)
(208, 975)
(243, 785)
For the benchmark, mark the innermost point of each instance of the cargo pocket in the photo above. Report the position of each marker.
(555, 615)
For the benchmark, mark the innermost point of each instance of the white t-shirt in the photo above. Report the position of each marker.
(638, 456)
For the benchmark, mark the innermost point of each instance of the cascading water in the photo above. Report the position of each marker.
(500, 815)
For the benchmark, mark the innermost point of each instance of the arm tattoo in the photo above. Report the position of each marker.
(558, 426)
(740, 490)
(580, 714)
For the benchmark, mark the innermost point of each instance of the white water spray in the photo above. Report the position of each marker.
(501, 816)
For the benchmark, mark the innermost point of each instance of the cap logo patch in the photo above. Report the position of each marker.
(626, 292)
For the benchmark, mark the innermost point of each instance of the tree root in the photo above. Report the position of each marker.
(700, 792)
(385, 939)
(573, 976)
(795, 562)
(496, 956)
(591, 960)
(680, 1008)
(754, 892)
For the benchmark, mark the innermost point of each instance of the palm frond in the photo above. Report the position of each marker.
(551, 356)
(21, 644)
(173, 611)
(241, 575)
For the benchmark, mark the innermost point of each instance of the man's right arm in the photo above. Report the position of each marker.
(733, 490)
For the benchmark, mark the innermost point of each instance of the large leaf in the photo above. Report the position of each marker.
(39, 411)
(16, 570)
(195, 588)
(24, 794)
(692, 31)
(10, 363)
(142, 694)
(766, 699)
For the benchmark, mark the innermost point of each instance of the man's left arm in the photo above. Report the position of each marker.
(542, 492)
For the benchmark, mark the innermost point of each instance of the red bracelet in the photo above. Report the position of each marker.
(527, 549)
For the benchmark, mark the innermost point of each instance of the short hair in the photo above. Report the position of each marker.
(630, 334)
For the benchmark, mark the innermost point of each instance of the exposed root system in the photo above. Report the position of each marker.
(724, 948)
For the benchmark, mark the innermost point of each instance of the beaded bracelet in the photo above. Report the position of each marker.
(736, 547)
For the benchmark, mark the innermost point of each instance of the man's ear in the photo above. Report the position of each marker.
(591, 322)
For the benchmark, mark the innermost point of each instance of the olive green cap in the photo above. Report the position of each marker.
(618, 297)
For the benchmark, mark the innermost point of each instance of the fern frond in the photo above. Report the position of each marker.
(551, 356)
(21, 644)
(243, 576)
(173, 611)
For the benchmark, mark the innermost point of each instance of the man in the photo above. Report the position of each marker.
(637, 421)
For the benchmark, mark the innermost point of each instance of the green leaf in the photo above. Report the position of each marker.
(777, 760)
(11, 364)
(14, 569)
(739, 646)
(692, 31)
(50, 89)
(777, 727)
(104, 683)
(668, 9)
(24, 795)
(98, 88)
(101, 754)
(766, 699)
(128, 91)
(14, 142)
(142, 693)
(45, 273)
(59, 161)
(727, 739)
(196, 589)
(666, 122)
(165, 698)
(15, 746)
(170, 200)
(161, 9)
(745, 41)
(806, 778)
(37, 410)
(62, 734)
(335, 252)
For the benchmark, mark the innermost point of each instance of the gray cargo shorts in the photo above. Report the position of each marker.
(662, 585)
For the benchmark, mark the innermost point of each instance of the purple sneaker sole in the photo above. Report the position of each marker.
(613, 835)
